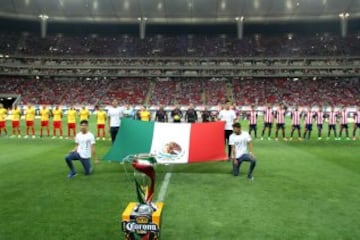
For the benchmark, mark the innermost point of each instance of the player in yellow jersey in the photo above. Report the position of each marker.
(30, 119)
(57, 118)
(3, 113)
(84, 114)
(101, 116)
(44, 120)
(144, 114)
(71, 118)
(15, 120)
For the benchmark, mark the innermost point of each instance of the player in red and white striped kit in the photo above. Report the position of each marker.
(268, 120)
(295, 122)
(319, 121)
(344, 123)
(280, 122)
(357, 122)
(332, 119)
(253, 121)
(308, 116)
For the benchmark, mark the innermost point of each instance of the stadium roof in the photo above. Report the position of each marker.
(179, 11)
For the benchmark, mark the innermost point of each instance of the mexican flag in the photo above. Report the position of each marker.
(169, 142)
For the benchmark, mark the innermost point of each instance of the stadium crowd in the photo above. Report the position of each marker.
(162, 45)
(198, 91)
(50, 90)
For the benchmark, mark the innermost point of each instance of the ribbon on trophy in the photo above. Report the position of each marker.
(144, 176)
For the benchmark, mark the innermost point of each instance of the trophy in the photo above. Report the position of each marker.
(141, 220)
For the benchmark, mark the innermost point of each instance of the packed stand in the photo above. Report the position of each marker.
(131, 91)
(181, 45)
(163, 92)
(245, 92)
(297, 92)
(216, 91)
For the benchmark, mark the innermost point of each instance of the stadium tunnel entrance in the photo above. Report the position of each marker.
(8, 100)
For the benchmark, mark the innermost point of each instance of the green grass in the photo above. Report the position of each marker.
(302, 190)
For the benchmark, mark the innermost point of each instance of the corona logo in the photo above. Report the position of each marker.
(142, 220)
(140, 228)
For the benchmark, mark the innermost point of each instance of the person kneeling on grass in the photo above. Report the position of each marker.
(85, 147)
(241, 150)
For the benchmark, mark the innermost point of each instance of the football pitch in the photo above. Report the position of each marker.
(302, 190)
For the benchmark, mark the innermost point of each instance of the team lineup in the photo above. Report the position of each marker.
(238, 142)
(338, 121)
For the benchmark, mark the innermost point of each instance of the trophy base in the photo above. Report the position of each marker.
(142, 221)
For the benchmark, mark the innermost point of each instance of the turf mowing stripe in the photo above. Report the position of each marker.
(164, 187)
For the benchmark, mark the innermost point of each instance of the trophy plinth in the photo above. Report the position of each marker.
(147, 225)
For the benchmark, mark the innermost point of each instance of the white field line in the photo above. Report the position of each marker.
(164, 187)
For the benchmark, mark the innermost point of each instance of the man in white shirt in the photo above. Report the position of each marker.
(229, 117)
(241, 150)
(115, 113)
(85, 148)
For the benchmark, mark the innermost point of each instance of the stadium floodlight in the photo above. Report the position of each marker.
(256, 4)
(43, 16)
(126, 5)
(289, 4)
(241, 19)
(223, 5)
(190, 4)
(95, 5)
(344, 15)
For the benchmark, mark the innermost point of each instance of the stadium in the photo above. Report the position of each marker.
(288, 70)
